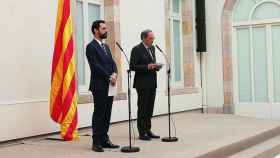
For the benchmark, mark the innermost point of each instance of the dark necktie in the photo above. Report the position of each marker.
(151, 54)
(104, 48)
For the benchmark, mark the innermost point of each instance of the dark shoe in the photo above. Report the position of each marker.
(97, 148)
(145, 137)
(110, 145)
(152, 135)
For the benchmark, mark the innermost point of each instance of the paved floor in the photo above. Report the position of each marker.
(197, 133)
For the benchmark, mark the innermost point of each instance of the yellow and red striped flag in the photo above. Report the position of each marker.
(63, 95)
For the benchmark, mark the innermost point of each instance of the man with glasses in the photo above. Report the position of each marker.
(143, 62)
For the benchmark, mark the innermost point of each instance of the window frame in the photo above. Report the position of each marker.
(178, 17)
(83, 89)
(250, 24)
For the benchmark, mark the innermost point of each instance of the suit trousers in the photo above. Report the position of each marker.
(101, 116)
(145, 103)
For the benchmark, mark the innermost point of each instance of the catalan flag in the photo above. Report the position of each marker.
(63, 94)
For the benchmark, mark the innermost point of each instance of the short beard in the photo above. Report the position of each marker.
(104, 36)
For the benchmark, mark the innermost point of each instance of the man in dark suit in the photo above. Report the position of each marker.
(143, 62)
(103, 72)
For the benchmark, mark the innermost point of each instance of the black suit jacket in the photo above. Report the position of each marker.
(102, 66)
(139, 60)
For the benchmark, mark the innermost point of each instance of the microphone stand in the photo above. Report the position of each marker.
(169, 138)
(130, 148)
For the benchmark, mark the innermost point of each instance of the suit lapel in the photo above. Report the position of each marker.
(146, 52)
(153, 54)
(100, 50)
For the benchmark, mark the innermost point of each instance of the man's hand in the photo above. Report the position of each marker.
(113, 79)
(152, 66)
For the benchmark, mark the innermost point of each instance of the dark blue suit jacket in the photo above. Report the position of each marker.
(102, 66)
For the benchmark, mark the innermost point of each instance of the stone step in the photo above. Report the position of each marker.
(266, 149)
(246, 144)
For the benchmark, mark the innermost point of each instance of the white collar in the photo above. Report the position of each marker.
(145, 45)
(99, 42)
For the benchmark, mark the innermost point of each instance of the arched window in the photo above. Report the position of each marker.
(256, 43)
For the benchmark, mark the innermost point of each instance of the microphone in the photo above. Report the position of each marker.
(159, 48)
(120, 47)
(165, 56)
(130, 148)
(168, 139)
(117, 43)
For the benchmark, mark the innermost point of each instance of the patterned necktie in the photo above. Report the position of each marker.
(150, 52)
(104, 48)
